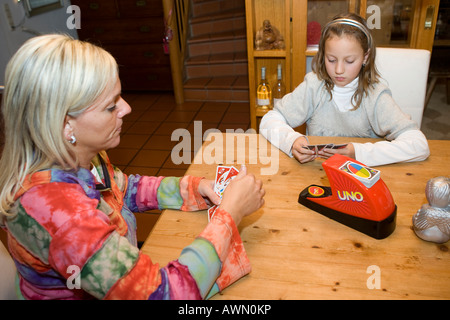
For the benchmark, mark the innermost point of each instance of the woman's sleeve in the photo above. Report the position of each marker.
(112, 268)
(147, 193)
(217, 258)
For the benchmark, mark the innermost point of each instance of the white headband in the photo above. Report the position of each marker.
(352, 23)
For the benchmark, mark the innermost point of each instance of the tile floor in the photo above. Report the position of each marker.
(146, 143)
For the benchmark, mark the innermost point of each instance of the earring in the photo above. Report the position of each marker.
(73, 139)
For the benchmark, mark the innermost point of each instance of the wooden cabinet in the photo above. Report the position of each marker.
(394, 23)
(132, 31)
(278, 12)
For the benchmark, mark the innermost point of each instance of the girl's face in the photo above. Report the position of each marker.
(344, 58)
(98, 128)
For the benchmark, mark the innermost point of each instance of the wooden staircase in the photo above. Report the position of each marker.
(215, 68)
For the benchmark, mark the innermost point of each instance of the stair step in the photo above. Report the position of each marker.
(226, 57)
(233, 82)
(218, 36)
(230, 88)
(224, 42)
(206, 7)
(219, 15)
(218, 22)
(221, 64)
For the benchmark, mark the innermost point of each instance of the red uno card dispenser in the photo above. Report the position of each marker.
(357, 197)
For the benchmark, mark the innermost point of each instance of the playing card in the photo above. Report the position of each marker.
(368, 176)
(221, 175)
(319, 147)
(315, 147)
(311, 147)
(226, 174)
(339, 146)
(231, 174)
(211, 212)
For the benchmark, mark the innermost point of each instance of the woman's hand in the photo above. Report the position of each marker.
(303, 155)
(243, 196)
(206, 190)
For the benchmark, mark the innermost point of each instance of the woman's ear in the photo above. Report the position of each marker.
(68, 130)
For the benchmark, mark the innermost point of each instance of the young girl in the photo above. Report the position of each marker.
(343, 97)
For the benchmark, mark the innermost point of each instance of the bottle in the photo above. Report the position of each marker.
(264, 92)
(280, 90)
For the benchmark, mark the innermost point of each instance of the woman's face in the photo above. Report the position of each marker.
(344, 58)
(98, 127)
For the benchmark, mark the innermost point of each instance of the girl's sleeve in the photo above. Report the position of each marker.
(293, 110)
(274, 128)
(404, 141)
(409, 146)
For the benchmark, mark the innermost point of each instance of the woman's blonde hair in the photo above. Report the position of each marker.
(48, 78)
(353, 25)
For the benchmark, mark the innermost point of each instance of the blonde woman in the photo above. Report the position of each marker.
(342, 96)
(68, 211)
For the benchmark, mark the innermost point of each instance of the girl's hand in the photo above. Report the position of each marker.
(303, 155)
(348, 151)
(243, 196)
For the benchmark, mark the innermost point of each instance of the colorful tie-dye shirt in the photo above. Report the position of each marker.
(71, 239)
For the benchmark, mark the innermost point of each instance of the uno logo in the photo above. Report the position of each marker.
(346, 196)
(316, 191)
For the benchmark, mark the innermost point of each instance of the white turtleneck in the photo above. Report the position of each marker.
(342, 96)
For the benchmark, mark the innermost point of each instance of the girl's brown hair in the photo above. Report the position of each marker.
(353, 25)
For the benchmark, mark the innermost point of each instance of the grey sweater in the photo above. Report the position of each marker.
(377, 117)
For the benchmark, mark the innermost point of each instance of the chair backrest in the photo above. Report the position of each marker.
(7, 275)
(405, 71)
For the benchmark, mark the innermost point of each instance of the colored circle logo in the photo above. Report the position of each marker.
(358, 170)
(316, 191)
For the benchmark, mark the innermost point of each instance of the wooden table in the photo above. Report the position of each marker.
(297, 253)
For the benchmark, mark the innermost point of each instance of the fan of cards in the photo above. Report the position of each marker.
(318, 147)
(224, 175)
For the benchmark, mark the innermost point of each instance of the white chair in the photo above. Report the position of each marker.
(405, 71)
(7, 275)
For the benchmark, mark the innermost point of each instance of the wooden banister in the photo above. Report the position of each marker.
(176, 15)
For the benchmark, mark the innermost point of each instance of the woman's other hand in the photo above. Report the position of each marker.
(243, 196)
